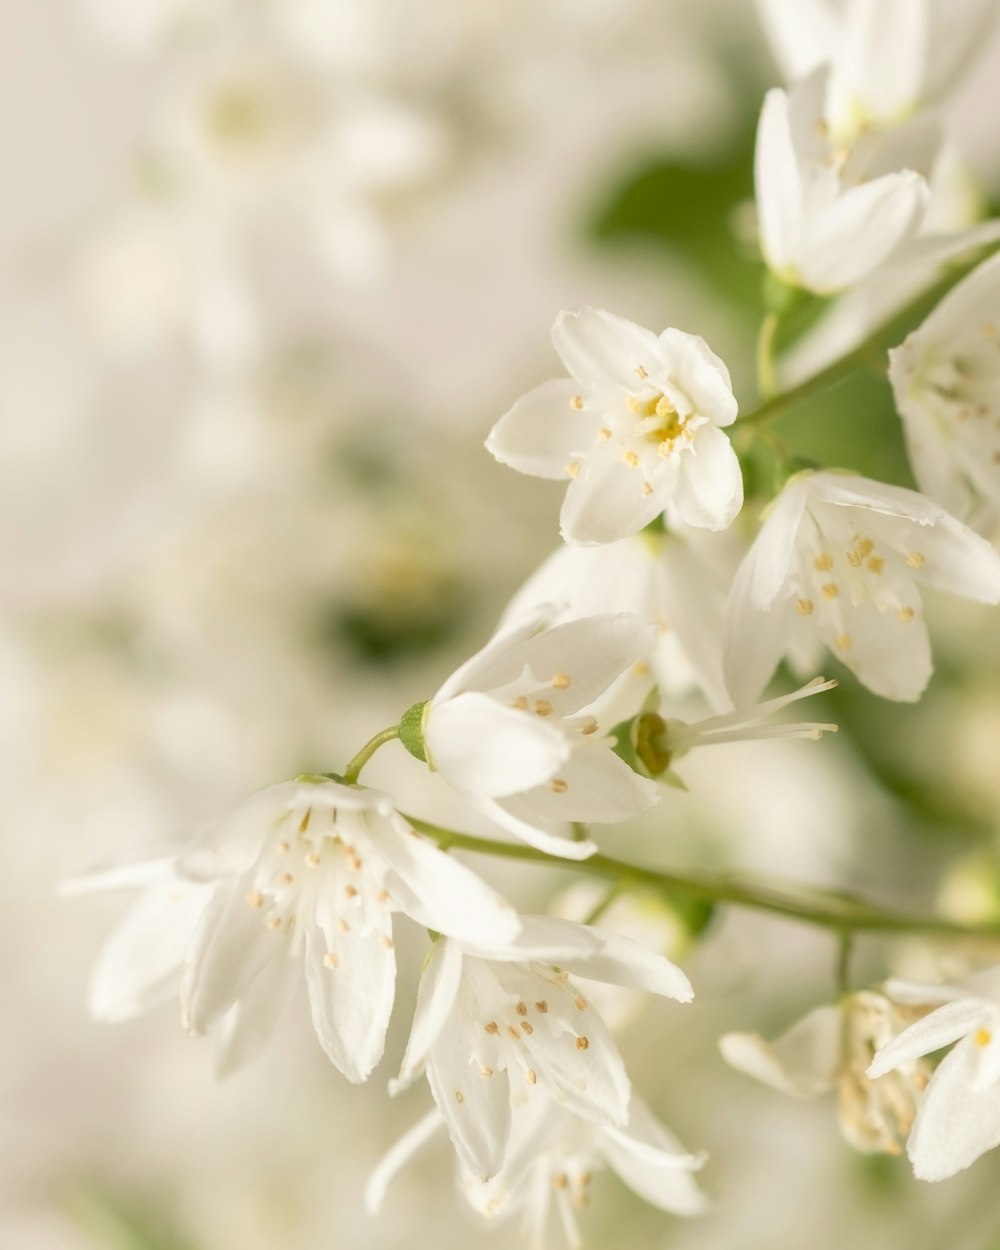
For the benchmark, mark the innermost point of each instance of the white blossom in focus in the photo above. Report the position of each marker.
(492, 1023)
(829, 1049)
(309, 871)
(838, 559)
(636, 427)
(946, 379)
(512, 729)
(959, 1116)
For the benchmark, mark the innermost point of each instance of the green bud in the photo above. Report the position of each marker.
(411, 729)
(641, 743)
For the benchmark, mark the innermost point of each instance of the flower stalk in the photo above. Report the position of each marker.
(353, 770)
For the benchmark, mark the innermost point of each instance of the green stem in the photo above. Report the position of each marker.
(829, 911)
(891, 332)
(353, 769)
(766, 381)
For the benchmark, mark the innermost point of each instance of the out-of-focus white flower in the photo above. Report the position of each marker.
(309, 868)
(829, 217)
(677, 580)
(512, 729)
(838, 559)
(888, 58)
(636, 427)
(551, 1158)
(946, 379)
(959, 1116)
(830, 1048)
(494, 1021)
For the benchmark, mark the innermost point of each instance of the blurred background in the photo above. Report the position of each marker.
(269, 270)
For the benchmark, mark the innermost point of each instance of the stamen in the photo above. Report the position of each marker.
(647, 488)
(255, 899)
(582, 1043)
(331, 959)
(532, 1076)
(486, 1072)
(641, 372)
(573, 469)
(830, 590)
(604, 434)
(983, 1037)
(866, 547)
(804, 607)
(543, 707)
(906, 614)
(590, 727)
(527, 1027)
(459, 1096)
(521, 703)
(844, 642)
(823, 562)
(541, 1007)
(580, 1003)
(631, 459)
(558, 785)
(576, 401)
(854, 559)
(521, 1009)
(560, 681)
(492, 1027)
(876, 564)
(915, 559)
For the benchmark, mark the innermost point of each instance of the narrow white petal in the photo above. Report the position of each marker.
(942, 1027)
(605, 501)
(397, 1157)
(754, 638)
(596, 788)
(535, 834)
(621, 961)
(435, 1003)
(879, 73)
(701, 374)
(852, 491)
(351, 1002)
(892, 657)
(802, 1062)
(802, 34)
(654, 1165)
(959, 33)
(247, 1026)
(497, 653)
(958, 560)
(710, 488)
(486, 748)
(956, 1123)
(915, 993)
(778, 186)
(232, 844)
(441, 893)
(545, 430)
(544, 939)
(597, 346)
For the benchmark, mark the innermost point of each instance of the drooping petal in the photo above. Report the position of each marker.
(597, 346)
(247, 1026)
(934, 466)
(802, 34)
(606, 501)
(878, 76)
(956, 1123)
(710, 487)
(702, 375)
(654, 1164)
(621, 961)
(956, 559)
(486, 748)
(397, 1157)
(802, 1062)
(435, 1003)
(888, 651)
(544, 939)
(231, 845)
(942, 1027)
(593, 786)
(754, 639)
(778, 186)
(545, 430)
(440, 893)
(535, 834)
(350, 997)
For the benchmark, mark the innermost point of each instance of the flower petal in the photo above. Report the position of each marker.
(778, 185)
(535, 834)
(621, 961)
(754, 638)
(247, 1026)
(701, 374)
(605, 501)
(942, 1027)
(544, 430)
(710, 487)
(352, 1001)
(956, 1123)
(653, 1163)
(435, 1003)
(958, 560)
(597, 788)
(597, 346)
(544, 939)
(485, 748)
(397, 1157)
(802, 1062)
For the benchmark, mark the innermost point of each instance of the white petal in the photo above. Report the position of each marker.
(754, 639)
(605, 501)
(544, 431)
(621, 961)
(133, 875)
(232, 844)
(351, 1003)
(942, 1027)
(544, 939)
(693, 603)
(955, 1123)
(930, 454)
(769, 560)
(959, 561)
(542, 839)
(440, 893)
(710, 488)
(802, 1062)
(247, 1026)
(139, 965)
(890, 656)
(802, 34)
(879, 72)
(600, 789)
(597, 346)
(778, 185)
(654, 1164)
(701, 374)
(853, 491)
(397, 1157)
(915, 993)
(861, 229)
(959, 33)
(435, 1003)
(485, 748)
(230, 948)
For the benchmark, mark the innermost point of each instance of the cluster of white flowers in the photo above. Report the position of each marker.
(568, 718)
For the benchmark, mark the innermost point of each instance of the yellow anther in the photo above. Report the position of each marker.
(541, 1007)
(866, 546)
(387, 942)
(532, 1076)
(823, 562)
(492, 1027)
(641, 372)
(284, 847)
(604, 434)
(560, 681)
(804, 607)
(343, 926)
(459, 1096)
(664, 449)
(580, 1003)
(664, 408)
(915, 560)
(485, 1072)
(576, 401)
(573, 469)
(304, 822)
(331, 960)
(631, 459)
(273, 920)
(521, 1009)
(843, 642)
(527, 1027)
(255, 899)
(906, 614)
(830, 590)
(647, 488)
(512, 1032)
(983, 1037)
(590, 727)
(854, 559)
(560, 1181)
(875, 564)
(521, 703)
(313, 860)
(383, 896)
(989, 329)
(640, 668)
(558, 785)
(543, 707)
(287, 878)
(582, 1043)
(633, 404)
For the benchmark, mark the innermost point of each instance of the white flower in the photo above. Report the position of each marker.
(946, 379)
(511, 729)
(959, 1115)
(676, 580)
(492, 1023)
(838, 559)
(830, 1048)
(829, 217)
(888, 58)
(551, 1158)
(307, 870)
(636, 427)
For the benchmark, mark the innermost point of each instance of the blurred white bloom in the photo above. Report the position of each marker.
(495, 1020)
(830, 1048)
(959, 1115)
(888, 58)
(946, 379)
(636, 427)
(308, 869)
(838, 559)
(512, 729)
(677, 580)
(829, 217)
(551, 1158)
